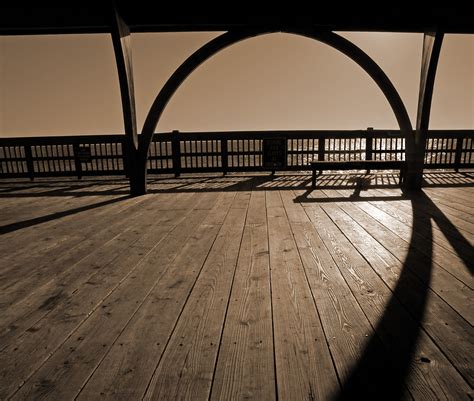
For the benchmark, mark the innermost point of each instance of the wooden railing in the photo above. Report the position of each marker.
(181, 152)
(450, 149)
(62, 156)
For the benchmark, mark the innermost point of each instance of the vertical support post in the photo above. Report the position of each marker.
(457, 156)
(125, 157)
(369, 146)
(321, 151)
(431, 49)
(77, 161)
(224, 156)
(176, 150)
(123, 58)
(29, 162)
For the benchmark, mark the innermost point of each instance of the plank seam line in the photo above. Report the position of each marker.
(312, 294)
(50, 354)
(230, 296)
(184, 304)
(139, 306)
(271, 303)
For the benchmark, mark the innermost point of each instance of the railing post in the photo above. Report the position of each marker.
(77, 161)
(176, 150)
(321, 150)
(457, 157)
(125, 157)
(369, 146)
(29, 162)
(224, 156)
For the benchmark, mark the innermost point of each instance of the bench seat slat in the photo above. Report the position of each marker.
(357, 165)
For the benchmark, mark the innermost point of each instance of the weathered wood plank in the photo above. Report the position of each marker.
(346, 327)
(47, 240)
(458, 198)
(452, 290)
(25, 275)
(245, 366)
(25, 196)
(299, 337)
(452, 263)
(76, 219)
(74, 222)
(460, 218)
(78, 340)
(186, 368)
(338, 273)
(438, 318)
(140, 346)
(24, 231)
(406, 344)
(442, 234)
(91, 270)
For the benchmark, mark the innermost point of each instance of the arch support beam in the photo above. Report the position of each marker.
(123, 59)
(227, 39)
(432, 42)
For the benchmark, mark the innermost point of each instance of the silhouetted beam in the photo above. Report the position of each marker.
(232, 37)
(432, 42)
(123, 58)
(87, 16)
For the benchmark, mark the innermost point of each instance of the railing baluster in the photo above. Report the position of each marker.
(224, 156)
(29, 162)
(176, 151)
(457, 158)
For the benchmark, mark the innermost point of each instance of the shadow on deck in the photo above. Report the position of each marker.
(421, 342)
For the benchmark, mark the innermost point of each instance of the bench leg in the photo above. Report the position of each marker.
(313, 180)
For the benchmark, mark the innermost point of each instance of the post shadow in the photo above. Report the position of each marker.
(460, 244)
(8, 228)
(382, 371)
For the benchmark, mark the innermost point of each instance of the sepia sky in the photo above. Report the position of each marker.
(68, 85)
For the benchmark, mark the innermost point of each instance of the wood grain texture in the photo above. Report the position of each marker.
(97, 268)
(442, 233)
(140, 346)
(87, 336)
(245, 368)
(346, 328)
(452, 263)
(186, 368)
(438, 320)
(397, 329)
(236, 287)
(304, 369)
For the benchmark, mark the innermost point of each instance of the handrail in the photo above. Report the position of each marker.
(179, 152)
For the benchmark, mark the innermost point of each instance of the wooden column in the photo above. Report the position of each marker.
(123, 58)
(321, 154)
(224, 156)
(369, 146)
(458, 154)
(29, 162)
(176, 151)
(431, 48)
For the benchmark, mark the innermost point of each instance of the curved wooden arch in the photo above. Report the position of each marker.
(227, 39)
(432, 42)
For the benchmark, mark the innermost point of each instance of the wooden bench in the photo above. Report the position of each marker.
(358, 165)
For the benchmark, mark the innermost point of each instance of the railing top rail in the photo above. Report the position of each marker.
(61, 140)
(216, 135)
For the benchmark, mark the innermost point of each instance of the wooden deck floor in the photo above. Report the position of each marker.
(237, 288)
